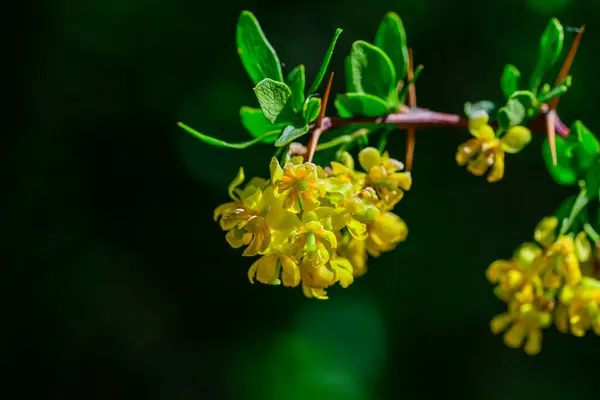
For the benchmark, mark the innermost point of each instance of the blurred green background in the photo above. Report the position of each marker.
(119, 285)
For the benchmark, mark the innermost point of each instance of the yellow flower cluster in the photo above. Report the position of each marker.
(553, 280)
(315, 226)
(486, 151)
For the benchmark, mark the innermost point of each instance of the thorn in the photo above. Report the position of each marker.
(314, 140)
(325, 100)
(551, 130)
(564, 71)
(412, 102)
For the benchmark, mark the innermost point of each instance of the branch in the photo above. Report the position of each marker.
(314, 139)
(412, 102)
(423, 118)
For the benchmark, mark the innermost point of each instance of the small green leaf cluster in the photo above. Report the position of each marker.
(286, 106)
(524, 102)
(376, 72)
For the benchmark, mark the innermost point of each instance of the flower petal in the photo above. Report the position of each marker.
(368, 158)
(515, 139)
(237, 181)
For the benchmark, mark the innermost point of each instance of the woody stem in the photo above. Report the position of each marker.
(422, 118)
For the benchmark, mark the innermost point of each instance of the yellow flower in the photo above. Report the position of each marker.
(312, 242)
(588, 255)
(579, 308)
(342, 179)
(353, 214)
(517, 278)
(562, 251)
(317, 278)
(486, 151)
(526, 323)
(342, 271)
(309, 292)
(560, 257)
(383, 176)
(300, 184)
(385, 232)
(244, 218)
(269, 268)
(355, 250)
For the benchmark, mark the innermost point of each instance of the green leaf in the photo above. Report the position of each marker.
(221, 143)
(565, 171)
(348, 72)
(475, 108)
(311, 109)
(360, 104)
(272, 97)
(291, 133)
(391, 38)
(258, 56)
(296, 80)
(325, 63)
(512, 114)
(588, 146)
(592, 179)
(510, 80)
(551, 45)
(255, 122)
(526, 98)
(372, 70)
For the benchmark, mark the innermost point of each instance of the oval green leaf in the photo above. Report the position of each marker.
(360, 104)
(509, 83)
(255, 122)
(564, 172)
(391, 38)
(551, 45)
(258, 56)
(272, 97)
(296, 80)
(372, 70)
(311, 109)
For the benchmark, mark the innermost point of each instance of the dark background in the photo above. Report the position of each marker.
(119, 285)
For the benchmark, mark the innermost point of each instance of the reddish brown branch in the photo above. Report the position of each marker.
(412, 102)
(314, 140)
(553, 103)
(423, 118)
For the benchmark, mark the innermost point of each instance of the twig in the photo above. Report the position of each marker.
(412, 102)
(314, 140)
(553, 103)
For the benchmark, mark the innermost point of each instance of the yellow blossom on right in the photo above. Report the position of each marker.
(554, 280)
(486, 151)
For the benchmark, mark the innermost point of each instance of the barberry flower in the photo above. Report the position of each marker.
(244, 218)
(526, 322)
(270, 268)
(312, 242)
(384, 176)
(355, 250)
(385, 232)
(579, 308)
(486, 151)
(300, 184)
(517, 278)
